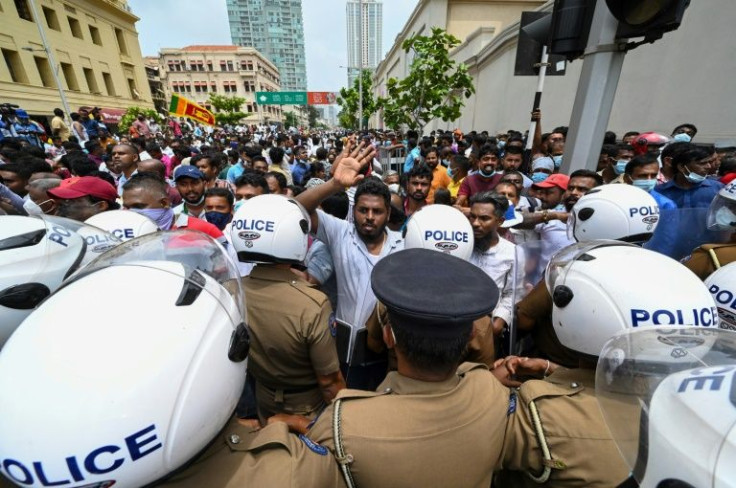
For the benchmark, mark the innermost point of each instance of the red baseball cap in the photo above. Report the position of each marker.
(85, 186)
(559, 180)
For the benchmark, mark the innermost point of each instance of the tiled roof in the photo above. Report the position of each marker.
(210, 48)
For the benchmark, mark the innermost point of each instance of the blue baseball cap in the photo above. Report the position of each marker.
(19, 112)
(188, 171)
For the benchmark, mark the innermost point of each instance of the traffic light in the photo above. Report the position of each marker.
(570, 27)
(649, 19)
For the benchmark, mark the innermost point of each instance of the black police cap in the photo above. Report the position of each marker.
(433, 287)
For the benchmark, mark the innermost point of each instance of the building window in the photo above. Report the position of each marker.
(209, 65)
(94, 33)
(69, 76)
(230, 66)
(229, 87)
(76, 27)
(133, 89)
(213, 87)
(44, 71)
(249, 86)
(23, 11)
(122, 46)
(15, 66)
(51, 18)
(109, 86)
(89, 75)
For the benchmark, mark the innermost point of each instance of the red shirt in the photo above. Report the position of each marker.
(475, 183)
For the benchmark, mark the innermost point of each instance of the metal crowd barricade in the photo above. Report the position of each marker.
(391, 159)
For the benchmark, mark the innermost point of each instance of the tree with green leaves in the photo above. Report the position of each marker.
(132, 113)
(227, 109)
(290, 120)
(349, 101)
(435, 86)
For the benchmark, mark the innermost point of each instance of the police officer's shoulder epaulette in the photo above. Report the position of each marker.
(535, 389)
(309, 290)
(464, 368)
(348, 394)
(241, 438)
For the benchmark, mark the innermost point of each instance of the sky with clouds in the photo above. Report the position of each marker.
(178, 23)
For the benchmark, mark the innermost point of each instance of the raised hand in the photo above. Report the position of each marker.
(350, 163)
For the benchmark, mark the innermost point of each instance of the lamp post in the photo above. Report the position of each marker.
(52, 60)
(360, 66)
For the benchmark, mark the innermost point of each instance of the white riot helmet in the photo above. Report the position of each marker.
(616, 212)
(593, 299)
(123, 224)
(35, 257)
(98, 241)
(440, 228)
(666, 395)
(143, 375)
(722, 285)
(270, 228)
(722, 211)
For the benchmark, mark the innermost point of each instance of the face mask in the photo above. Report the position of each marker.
(394, 188)
(539, 177)
(446, 162)
(682, 137)
(197, 203)
(557, 160)
(501, 144)
(486, 175)
(646, 185)
(725, 217)
(620, 166)
(164, 217)
(32, 208)
(450, 172)
(237, 206)
(694, 178)
(218, 219)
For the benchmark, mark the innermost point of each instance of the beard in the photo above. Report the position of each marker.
(482, 244)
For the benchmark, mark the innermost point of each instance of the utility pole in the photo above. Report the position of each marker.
(52, 61)
(360, 66)
(596, 90)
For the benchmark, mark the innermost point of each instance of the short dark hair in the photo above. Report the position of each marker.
(82, 166)
(487, 149)
(373, 186)
(639, 161)
(276, 154)
(58, 112)
(609, 150)
(609, 138)
(336, 205)
(442, 196)
(728, 165)
(688, 125)
(22, 170)
(321, 153)
(440, 356)
(148, 181)
(221, 192)
(500, 203)
(513, 150)
(280, 178)
(254, 179)
(462, 161)
(419, 171)
(586, 173)
(152, 146)
(690, 153)
(199, 157)
(631, 133)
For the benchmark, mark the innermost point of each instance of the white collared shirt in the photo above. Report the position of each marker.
(500, 262)
(353, 266)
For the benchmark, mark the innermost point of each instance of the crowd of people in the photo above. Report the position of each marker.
(416, 309)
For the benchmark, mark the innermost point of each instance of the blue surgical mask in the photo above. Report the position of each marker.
(693, 178)
(620, 166)
(558, 160)
(450, 172)
(164, 217)
(486, 175)
(682, 137)
(446, 163)
(218, 219)
(501, 144)
(646, 185)
(539, 177)
(237, 206)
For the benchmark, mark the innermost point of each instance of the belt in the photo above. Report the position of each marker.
(290, 391)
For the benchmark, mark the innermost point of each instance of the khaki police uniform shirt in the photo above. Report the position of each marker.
(537, 306)
(416, 433)
(291, 342)
(271, 457)
(481, 348)
(582, 450)
(702, 262)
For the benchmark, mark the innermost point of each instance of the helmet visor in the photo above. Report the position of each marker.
(722, 214)
(197, 253)
(560, 262)
(631, 367)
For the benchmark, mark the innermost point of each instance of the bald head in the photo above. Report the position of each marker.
(44, 176)
(152, 166)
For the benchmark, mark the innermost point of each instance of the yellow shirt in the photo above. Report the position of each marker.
(454, 187)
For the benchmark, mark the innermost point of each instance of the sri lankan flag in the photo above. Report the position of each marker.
(186, 108)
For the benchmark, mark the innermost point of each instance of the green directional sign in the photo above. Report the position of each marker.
(281, 98)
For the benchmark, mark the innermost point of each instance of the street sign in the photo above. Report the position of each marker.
(281, 98)
(322, 98)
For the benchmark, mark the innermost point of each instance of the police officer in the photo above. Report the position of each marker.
(433, 422)
(557, 436)
(293, 357)
(616, 212)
